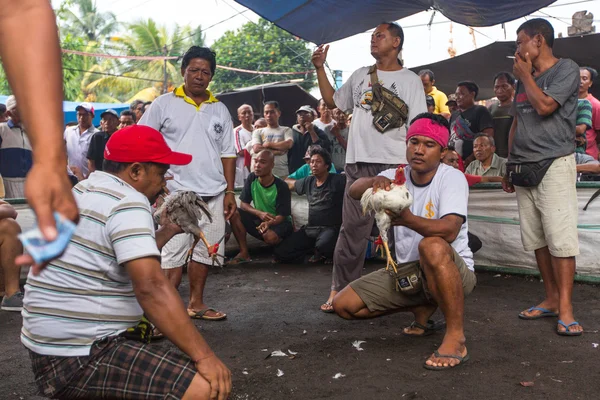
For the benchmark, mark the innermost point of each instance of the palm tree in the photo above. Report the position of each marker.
(87, 22)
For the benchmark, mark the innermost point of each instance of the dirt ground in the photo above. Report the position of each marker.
(275, 307)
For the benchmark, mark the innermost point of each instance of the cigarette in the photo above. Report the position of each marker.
(510, 57)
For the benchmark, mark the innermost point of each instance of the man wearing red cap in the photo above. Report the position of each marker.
(77, 311)
(431, 239)
(192, 119)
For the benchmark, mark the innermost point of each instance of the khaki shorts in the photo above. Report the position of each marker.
(174, 253)
(378, 289)
(548, 212)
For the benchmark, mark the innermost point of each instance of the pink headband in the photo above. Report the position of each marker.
(426, 127)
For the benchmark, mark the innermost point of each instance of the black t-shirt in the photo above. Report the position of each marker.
(301, 143)
(502, 120)
(466, 125)
(96, 149)
(325, 201)
(275, 199)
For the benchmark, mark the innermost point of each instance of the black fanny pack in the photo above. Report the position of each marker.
(528, 174)
(388, 110)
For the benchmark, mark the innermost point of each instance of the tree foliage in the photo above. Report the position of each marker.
(81, 17)
(260, 46)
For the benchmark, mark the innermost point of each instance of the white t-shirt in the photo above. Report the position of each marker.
(87, 293)
(323, 126)
(365, 143)
(242, 137)
(275, 135)
(77, 146)
(447, 193)
(205, 131)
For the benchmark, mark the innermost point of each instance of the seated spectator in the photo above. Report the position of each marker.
(587, 165)
(430, 101)
(78, 312)
(95, 154)
(325, 194)
(10, 248)
(127, 118)
(265, 208)
(305, 170)
(339, 139)
(487, 162)
(582, 124)
(275, 138)
(15, 152)
(305, 134)
(431, 248)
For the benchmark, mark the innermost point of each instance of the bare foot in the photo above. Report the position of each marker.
(422, 315)
(450, 346)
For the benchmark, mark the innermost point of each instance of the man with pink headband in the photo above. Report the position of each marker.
(430, 239)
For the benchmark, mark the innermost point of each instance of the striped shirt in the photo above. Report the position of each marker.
(15, 151)
(87, 293)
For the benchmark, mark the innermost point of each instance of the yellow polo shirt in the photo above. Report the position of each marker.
(440, 101)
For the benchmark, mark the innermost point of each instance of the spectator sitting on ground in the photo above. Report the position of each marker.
(265, 208)
(582, 124)
(305, 135)
(95, 154)
(16, 156)
(10, 248)
(127, 118)
(339, 139)
(278, 139)
(487, 162)
(325, 194)
(137, 107)
(305, 170)
(78, 333)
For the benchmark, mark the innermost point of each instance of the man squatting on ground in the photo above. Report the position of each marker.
(77, 309)
(431, 235)
(369, 152)
(543, 135)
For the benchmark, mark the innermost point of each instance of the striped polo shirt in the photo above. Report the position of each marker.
(15, 151)
(203, 130)
(87, 294)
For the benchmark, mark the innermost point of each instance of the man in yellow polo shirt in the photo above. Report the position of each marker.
(191, 118)
(428, 79)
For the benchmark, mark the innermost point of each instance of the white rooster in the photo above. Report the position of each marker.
(395, 200)
(186, 209)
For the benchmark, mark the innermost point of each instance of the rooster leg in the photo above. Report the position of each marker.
(390, 260)
(191, 251)
(212, 250)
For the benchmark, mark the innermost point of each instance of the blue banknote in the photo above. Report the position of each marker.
(42, 250)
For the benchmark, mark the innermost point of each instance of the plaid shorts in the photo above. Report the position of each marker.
(116, 368)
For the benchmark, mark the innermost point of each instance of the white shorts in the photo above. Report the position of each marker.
(175, 251)
(548, 212)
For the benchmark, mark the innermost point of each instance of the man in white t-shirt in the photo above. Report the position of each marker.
(325, 121)
(77, 139)
(243, 135)
(277, 139)
(431, 237)
(368, 152)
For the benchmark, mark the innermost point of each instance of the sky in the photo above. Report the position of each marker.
(423, 45)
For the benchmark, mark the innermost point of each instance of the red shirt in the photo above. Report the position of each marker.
(591, 134)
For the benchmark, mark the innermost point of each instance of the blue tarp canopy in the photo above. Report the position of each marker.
(71, 114)
(325, 21)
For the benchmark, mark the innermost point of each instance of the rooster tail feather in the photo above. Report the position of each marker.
(365, 200)
(204, 207)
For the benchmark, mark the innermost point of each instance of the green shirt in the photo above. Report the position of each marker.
(274, 199)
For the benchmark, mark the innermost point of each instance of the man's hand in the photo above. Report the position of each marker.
(381, 182)
(264, 227)
(265, 216)
(506, 185)
(229, 205)
(400, 218)
(522, 66)
(77, 172)
(320, 56)
(217, 375)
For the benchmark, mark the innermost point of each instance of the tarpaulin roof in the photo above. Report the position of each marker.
(482, 64)
(325, 21)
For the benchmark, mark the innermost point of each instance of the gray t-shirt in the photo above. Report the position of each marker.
(539, 138)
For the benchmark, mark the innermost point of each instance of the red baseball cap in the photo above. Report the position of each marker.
(140, 143)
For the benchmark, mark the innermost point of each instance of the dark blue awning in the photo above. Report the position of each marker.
(324, 21)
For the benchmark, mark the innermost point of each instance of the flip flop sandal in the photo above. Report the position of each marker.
(545, 313)
(239, 261)
(567, 332)
(327, 310)
(459, 358)
(428, 329)
(202, 315)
